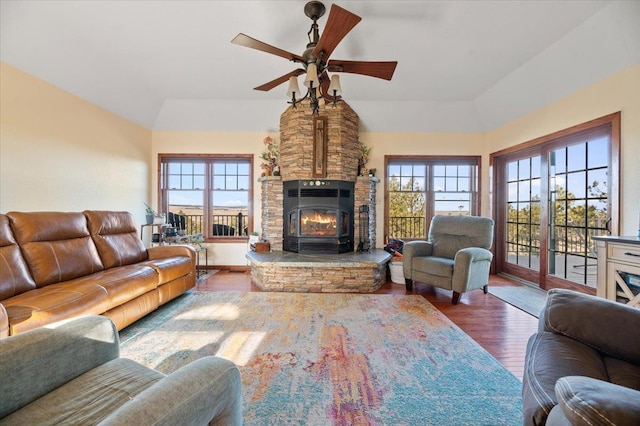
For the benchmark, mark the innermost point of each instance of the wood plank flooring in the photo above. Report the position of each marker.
(498, 327)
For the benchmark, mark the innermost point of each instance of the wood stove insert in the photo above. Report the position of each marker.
(318, 216)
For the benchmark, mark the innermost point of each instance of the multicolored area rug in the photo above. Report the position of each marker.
(341, 359)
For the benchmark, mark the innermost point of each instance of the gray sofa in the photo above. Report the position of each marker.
(583, 365)
(70, 373)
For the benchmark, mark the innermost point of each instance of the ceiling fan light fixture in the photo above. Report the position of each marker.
(315, 61)
(335, 89)
(294, 89)
(311, 80)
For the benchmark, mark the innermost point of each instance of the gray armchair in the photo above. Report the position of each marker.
(70, 373)
(455, 257)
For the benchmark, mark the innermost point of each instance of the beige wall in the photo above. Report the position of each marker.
(59, 152)
(620, 92)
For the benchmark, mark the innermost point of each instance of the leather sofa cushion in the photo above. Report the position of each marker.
(565, 314)
(14, 274)
(585, 401)
(622, 373)
(122, 284)
(170, 268)
(56, 245)
(550, 356)
(433, 265)
(116, 237)
(56, 302)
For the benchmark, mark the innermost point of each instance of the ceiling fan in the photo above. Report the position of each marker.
(315, 60)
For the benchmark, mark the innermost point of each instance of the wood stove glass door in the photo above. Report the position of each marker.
(318, 223)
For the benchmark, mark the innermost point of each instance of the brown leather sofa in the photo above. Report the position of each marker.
(583, 365)
(57, 265)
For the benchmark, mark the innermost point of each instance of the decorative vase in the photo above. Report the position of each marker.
(149, 218)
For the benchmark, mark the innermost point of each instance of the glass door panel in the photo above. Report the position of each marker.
(523, 213)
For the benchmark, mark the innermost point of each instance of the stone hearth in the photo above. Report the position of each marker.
(327, 273)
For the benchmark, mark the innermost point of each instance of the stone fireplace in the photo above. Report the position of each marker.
(311, 210)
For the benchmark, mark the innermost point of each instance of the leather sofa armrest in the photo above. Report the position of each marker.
(583, 400)
(161, 252)
(600, 323)
(414, 249)
(40, 360)
(4, 322)
(206, 391)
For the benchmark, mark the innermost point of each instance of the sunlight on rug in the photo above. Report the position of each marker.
(341, 359)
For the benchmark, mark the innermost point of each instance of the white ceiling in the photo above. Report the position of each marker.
(462, 65)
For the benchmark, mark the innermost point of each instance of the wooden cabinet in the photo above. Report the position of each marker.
(619, 269)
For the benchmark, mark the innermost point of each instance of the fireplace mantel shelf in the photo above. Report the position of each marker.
(279, 178)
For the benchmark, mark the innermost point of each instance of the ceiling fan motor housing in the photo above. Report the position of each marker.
(314, 10)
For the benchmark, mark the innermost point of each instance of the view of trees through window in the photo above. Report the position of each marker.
(420, 187)
(211, 193)
(552, 199)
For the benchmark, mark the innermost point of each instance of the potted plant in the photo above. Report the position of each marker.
(150, 214)
(254, 237)
(270, 157)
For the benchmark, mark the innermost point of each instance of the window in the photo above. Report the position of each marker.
(420, 187)
(212, 193)
(553, 195)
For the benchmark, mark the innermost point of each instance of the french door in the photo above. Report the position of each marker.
(552, 196)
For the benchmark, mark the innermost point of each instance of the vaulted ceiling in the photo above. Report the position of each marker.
(462, 65)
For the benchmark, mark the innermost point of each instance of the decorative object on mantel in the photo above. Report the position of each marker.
(365, 151)
(315, 59)
(372, 172)
(271, 156)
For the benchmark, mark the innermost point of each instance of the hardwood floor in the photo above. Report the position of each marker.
(498, 327)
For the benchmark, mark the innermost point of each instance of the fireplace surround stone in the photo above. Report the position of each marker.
(327, 273)
(345, 272)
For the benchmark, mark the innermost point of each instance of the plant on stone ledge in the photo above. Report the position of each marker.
(365, 151)
(271, 156)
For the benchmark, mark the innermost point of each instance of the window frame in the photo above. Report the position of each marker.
(165, 158)
(429, 161)
(542, 146)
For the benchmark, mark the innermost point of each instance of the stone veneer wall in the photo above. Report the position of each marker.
(296, 157)
(272, 211)
(365, 194)
(296, 142)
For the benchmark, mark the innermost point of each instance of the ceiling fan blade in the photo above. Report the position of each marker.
(383, 70)
(278, 81)
(339, 23)
(246, 41)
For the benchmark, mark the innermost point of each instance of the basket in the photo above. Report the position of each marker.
(397, 275)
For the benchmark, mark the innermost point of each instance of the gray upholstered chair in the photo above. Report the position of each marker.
(71, 372)
(455, 257)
